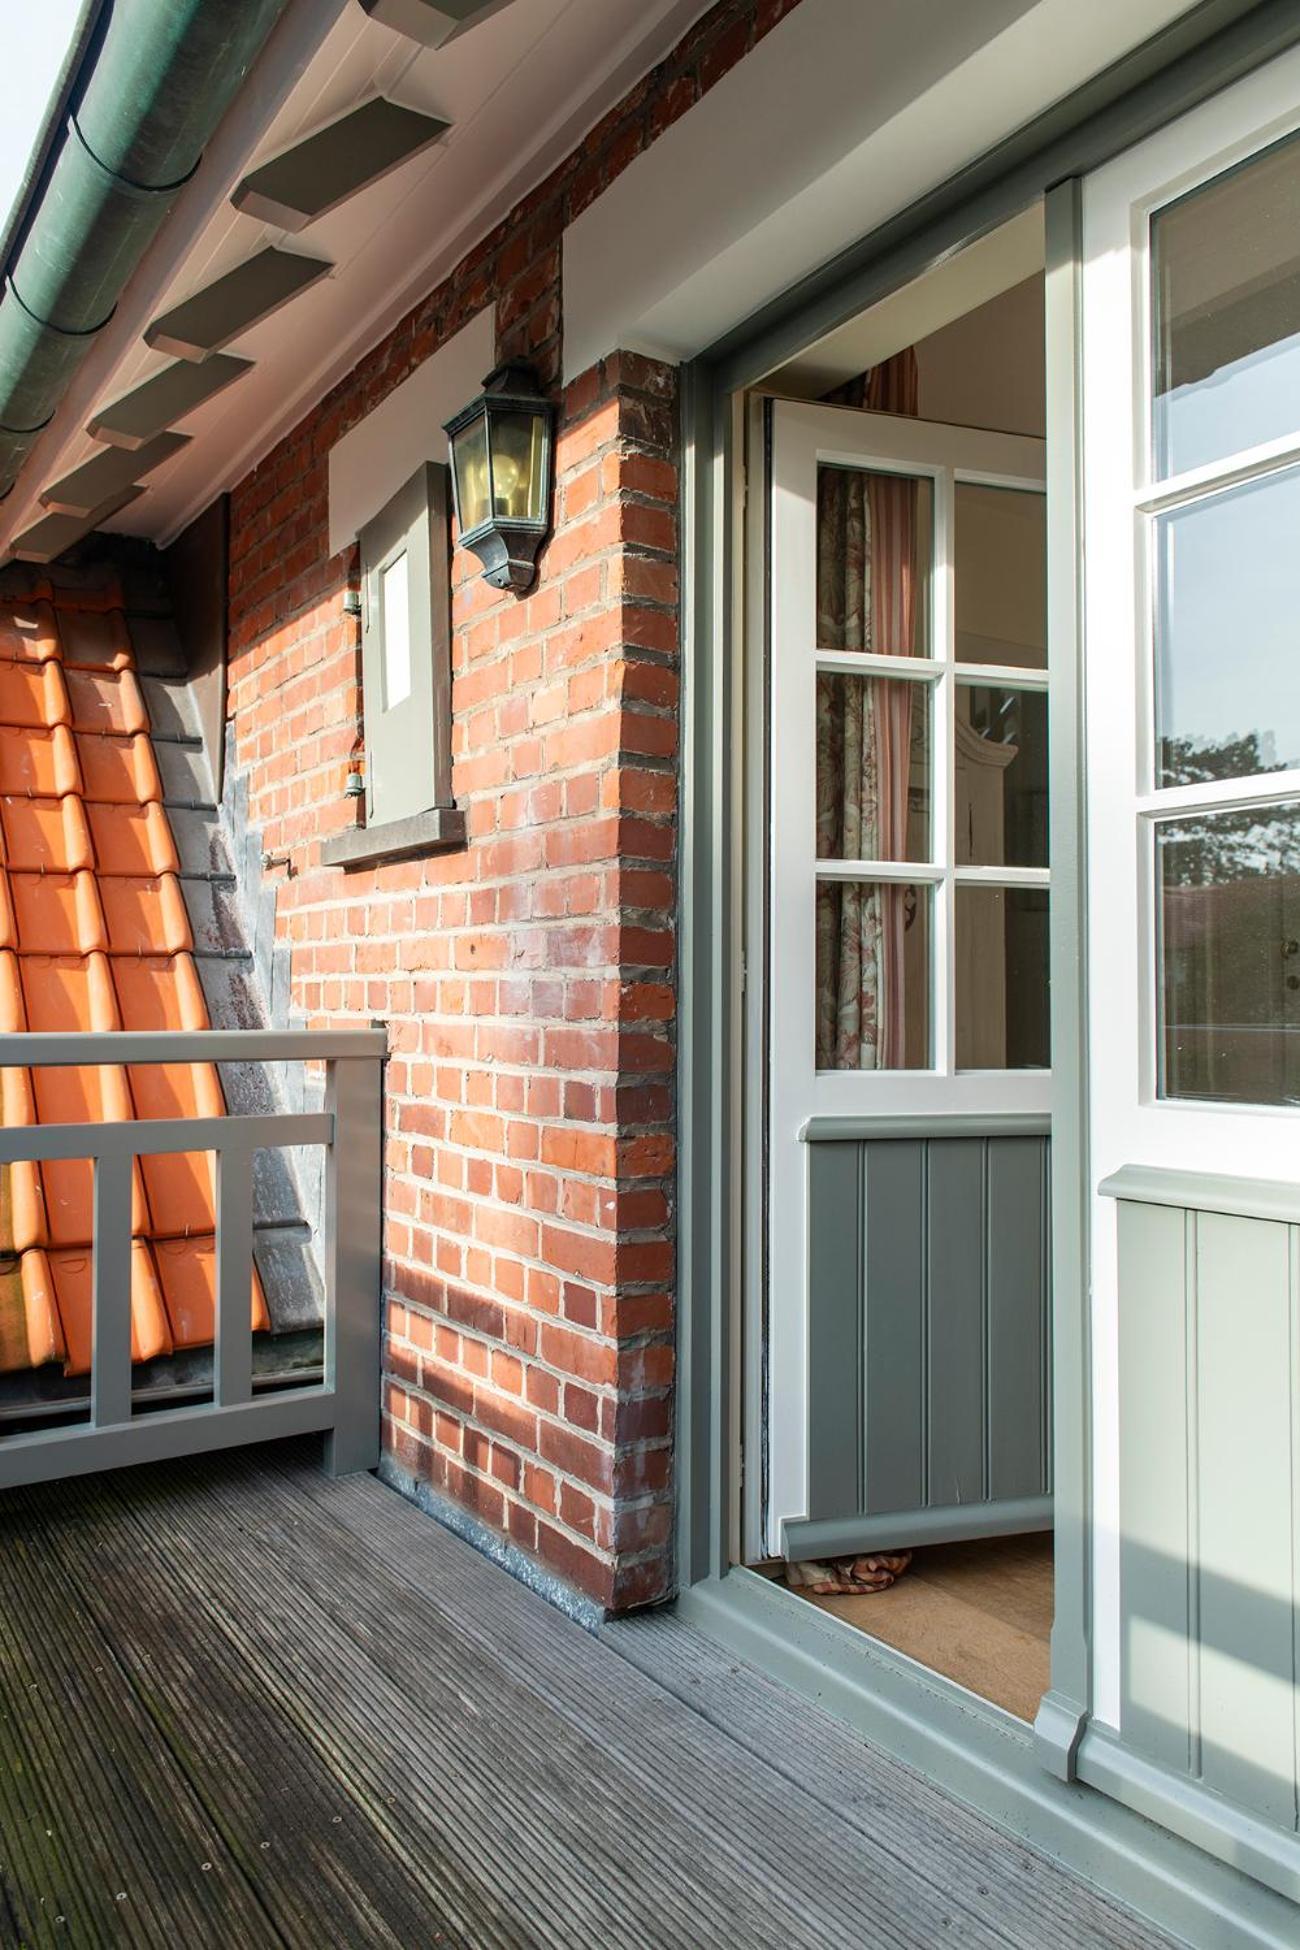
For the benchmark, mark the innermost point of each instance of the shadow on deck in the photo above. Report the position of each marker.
(243, 1704)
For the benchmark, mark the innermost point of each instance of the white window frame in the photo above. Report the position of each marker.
(805, 437)
(408, 746)
(1128, 1123)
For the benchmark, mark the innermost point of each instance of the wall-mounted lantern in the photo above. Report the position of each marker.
(501, 449)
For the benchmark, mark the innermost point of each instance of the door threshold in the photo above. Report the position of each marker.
(988, 1758)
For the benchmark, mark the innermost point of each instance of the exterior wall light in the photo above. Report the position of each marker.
(502, 445)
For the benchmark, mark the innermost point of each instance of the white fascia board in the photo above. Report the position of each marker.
(841, 117)
(374, 458)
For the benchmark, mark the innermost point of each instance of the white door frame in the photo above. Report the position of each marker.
(805, 436)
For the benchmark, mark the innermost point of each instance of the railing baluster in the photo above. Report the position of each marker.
(353, 1233)
(232, 1379)
(110, 1374)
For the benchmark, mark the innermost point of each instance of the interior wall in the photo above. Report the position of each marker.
(987, 368)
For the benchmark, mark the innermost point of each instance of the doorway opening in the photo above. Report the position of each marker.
(896, 1319)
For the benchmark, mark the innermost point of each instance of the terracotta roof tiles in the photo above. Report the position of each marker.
(94, 935)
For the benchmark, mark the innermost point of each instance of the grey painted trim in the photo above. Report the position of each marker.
(440, 830)
(134, 418)
(831, 1130)
(38, 1050)
(987, 1758)
(50, 537)
(1194, 57)
(354, 1224)
(231, 304)
(1065, 1709)
(1194, 1812)
(1205, 1191)
(108, 472)
(333, 163)
(837, 1536)
(47, 1455)
(163, 1136)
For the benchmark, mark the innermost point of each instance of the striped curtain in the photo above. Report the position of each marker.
(866, 600)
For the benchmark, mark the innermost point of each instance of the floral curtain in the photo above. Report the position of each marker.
(866, 600)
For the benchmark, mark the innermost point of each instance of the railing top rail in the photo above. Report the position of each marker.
(39, 1050)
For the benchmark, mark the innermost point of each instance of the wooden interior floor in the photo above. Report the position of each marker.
(980, 1613)
(243, 1705)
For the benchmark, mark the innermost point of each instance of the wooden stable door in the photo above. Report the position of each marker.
(907, 1032)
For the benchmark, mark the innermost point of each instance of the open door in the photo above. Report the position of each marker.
(906, 1352)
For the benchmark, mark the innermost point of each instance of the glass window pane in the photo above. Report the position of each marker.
(470, 460)
(873, 768)
(518, 450)
(395, 598)
(1229, 979)
(1001, 777)
(1002, 979)
(875, 544)
(1000, 565)
(1225, 272)
(1227, 598)
(873, 976)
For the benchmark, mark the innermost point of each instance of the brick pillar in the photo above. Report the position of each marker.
(530, 1368)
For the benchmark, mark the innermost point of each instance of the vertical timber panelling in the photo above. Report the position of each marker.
(892, 1303)
(1017, 1317)
(929, 1308)
(835, 1363)
(955, 1320)
(1208, 1421)
(1154, 1367)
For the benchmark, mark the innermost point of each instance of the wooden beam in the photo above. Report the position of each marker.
(107, 473)
(334, 163)
(159, 401)
(201, 324)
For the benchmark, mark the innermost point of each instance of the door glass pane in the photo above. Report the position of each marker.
(1227, 599)
(873, 976)
(1000, 561)
(874, 549)
(1000, 777)
(395, 599)
(1229, 961)
(873, 768)
(1002, 978)
(1225, 269)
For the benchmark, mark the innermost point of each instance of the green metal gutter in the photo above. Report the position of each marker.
(155, 80)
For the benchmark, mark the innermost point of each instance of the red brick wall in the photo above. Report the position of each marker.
(527, 980)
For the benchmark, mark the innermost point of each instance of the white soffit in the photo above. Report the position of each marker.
(519, 93)
(842, 116)
(991, 265)
(374, 458)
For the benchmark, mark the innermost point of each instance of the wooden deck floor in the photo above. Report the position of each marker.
(241, 1705)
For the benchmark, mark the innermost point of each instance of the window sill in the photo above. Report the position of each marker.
(439, 830)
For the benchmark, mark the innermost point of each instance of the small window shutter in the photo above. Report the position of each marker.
(405, 653)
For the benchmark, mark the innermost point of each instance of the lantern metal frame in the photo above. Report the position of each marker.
(506, 545)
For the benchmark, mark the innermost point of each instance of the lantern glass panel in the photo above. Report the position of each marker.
(470, 459)
(518, 465)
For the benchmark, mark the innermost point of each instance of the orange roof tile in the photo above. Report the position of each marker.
(55, 914)
(96, 638)
(132, 839)
(117, 767)
(45, 835)
(68, 1275)
(188, 1271)
(38, 763)
(100, 700)
(28, 633)
(33, 694)
(145, 914)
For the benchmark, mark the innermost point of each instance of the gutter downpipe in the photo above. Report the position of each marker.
(156, 78)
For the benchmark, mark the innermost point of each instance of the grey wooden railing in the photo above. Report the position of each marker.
(344, 1401)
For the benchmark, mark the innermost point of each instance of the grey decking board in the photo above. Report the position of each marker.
(164, 398)
(346, 1622)
(142, 1795)
(895, 1808)
(574, 1776)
